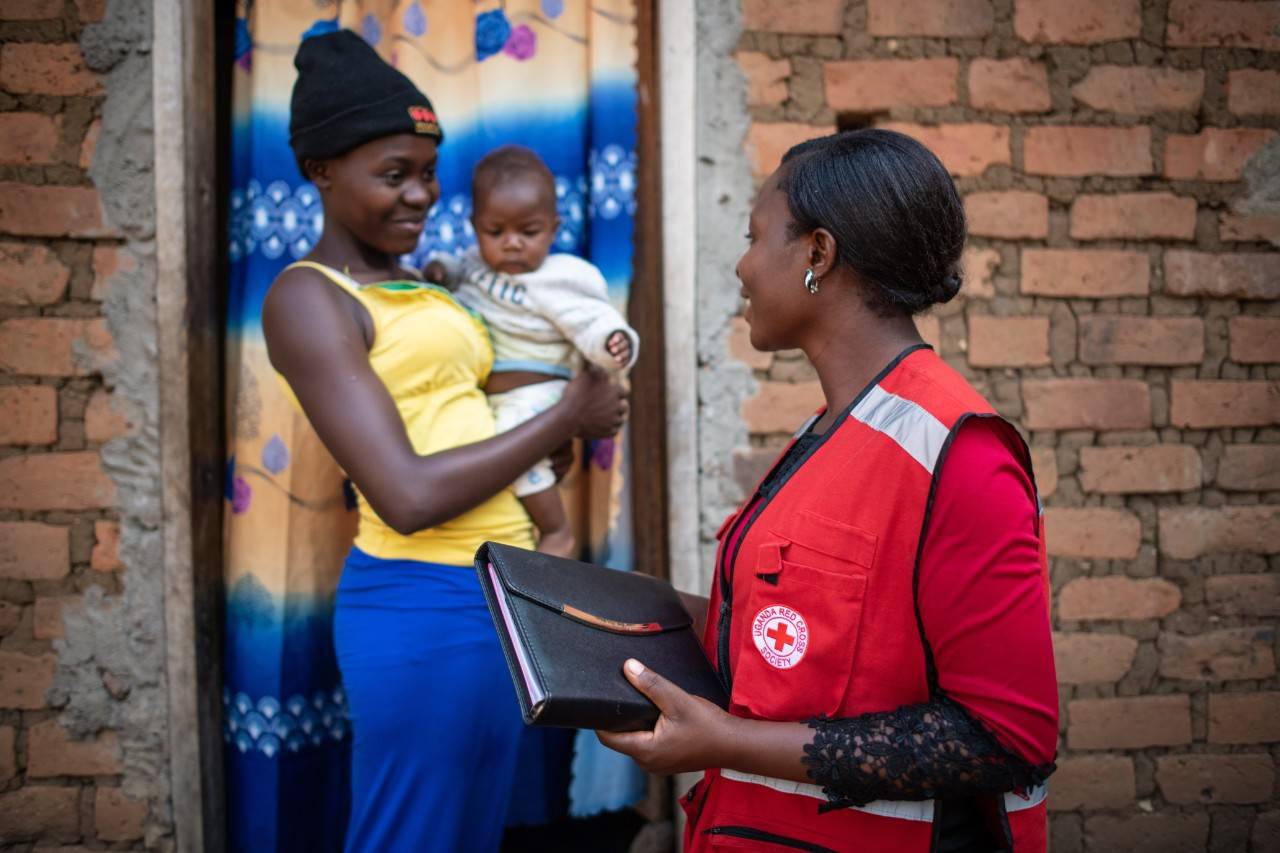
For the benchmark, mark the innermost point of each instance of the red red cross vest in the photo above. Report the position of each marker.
(813, 612)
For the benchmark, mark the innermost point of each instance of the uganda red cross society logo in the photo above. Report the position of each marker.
(781, 635)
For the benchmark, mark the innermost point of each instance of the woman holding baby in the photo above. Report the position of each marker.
(391, 372)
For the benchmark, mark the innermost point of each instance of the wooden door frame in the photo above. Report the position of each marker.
(192, 133)
(190, 84)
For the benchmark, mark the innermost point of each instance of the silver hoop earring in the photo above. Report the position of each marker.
(810, 281)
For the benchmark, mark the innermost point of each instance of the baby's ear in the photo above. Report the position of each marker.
(317, 171)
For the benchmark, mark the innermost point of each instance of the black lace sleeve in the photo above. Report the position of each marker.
(936, 749)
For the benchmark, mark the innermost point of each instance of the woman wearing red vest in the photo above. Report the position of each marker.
(879, 614)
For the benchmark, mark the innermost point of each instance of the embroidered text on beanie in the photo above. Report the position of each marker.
(345, 96)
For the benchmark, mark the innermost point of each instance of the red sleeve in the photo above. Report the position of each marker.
(982, 593)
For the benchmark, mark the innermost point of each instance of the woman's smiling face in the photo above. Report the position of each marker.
(772, 273)
(383, 190)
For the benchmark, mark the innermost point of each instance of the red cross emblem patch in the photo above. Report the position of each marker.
(780, 635)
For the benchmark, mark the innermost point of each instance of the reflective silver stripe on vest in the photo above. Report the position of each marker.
(909, 425)
(921, 810)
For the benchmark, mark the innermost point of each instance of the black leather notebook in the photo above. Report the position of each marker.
(567, 627)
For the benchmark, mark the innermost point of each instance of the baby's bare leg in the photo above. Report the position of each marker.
(555, 535)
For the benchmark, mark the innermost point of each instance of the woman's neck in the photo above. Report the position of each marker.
(847, 362)
(341, 250)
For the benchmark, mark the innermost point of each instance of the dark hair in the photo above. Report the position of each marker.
(892, 207)
(510, 162)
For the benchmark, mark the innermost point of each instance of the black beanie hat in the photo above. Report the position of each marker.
(345, 96)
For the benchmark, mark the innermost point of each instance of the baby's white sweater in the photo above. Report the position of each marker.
(546, 320)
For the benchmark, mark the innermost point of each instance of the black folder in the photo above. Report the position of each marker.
(567, 627)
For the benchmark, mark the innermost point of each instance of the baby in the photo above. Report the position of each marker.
(546, 312)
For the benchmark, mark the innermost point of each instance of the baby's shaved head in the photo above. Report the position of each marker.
(509, 164)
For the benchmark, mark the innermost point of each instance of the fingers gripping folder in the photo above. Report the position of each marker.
(567, 627)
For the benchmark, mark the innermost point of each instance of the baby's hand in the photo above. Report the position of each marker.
(619, 345)
(435, 272)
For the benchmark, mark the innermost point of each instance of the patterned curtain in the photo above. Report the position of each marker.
(555, 75)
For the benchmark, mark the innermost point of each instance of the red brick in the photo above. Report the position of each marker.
(815, 17)
(1213, 154)
(1100, 404)
(781, 406)
(768, 141)
(937, 18)
(30, 551)
(89, 146)
(1092, 658)
(1140, 470)
(28, 414)
(1226, 655)
(1140, 90)
(55, 481)
(1213, 403)
(980, 267)
(1244, 717)
(1075, 151)
(1238, 276)
(1222, 23)
(1009, 86)
(1008, 341)
(31, 275)
(24, 680)
(46, 69)
(1234, 228)
(1088, 273)
(1216, 778)
(40, 812)
(1076, 23)
(1148, 833)
(92, 10)
(1188, 532)
(51, 751)
(1254, 340)
(49, 346)
(1243, 595)
(8, 756)
(1044, 462)
(870, 85)
(30, 10)
(1117, 597)
(1014, 215)
(766, 78)
(1121, 339)
(1249, 468)
(106, 546)
(108, 261)
(965, 149)
(1133, 723)
(930, 329)
(1092, 782)
(27, 139)
(1252, 91)
(1266, 831)
(10, 617)
(1133, 216)
(116, 817)
(1092, 533)
(52, 212)
(47, 613)
(102, 420)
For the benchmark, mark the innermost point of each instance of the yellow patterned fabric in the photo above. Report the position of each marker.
(433, 355)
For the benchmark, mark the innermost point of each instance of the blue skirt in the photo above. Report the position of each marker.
(434, 717)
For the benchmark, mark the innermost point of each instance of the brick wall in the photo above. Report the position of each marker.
(1121, 306)
(58, 508)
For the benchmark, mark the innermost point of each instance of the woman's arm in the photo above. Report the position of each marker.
(697, 607)
(989, 728)
(315, 342)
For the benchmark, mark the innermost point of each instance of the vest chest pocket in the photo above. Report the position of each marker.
(800, 615)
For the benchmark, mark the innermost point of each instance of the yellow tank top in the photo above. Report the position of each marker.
(434, 356)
